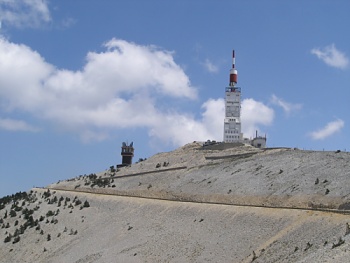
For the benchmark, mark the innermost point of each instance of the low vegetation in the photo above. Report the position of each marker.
(21, 212)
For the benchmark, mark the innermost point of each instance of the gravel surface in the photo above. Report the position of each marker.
(133, 229)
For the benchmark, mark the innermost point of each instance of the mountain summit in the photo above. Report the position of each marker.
(214, 203)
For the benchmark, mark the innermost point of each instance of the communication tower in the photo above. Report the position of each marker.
(232, 122)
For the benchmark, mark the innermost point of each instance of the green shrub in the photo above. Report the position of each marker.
(18, 208)
(49, 213)
(8, 238)
(16, 240)
(47, 194)
(13, 213)
(27, 212)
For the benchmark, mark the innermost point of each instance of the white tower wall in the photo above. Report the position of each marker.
(232, 122)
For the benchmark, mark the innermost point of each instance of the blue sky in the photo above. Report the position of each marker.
(77, 78)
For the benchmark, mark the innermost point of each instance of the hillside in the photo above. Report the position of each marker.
(195, 204)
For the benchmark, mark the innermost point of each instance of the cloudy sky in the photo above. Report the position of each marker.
(77, 78)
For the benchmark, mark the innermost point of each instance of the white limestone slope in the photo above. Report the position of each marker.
(129, 229)
(238, 175)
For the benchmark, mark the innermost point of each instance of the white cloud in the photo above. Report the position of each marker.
(180, 129)
(16, 125)
(331, 56)
(117, 88)
(209, 66)
(255, 114)
(286, 106)
(68, 22)
(331, 128)
(24, 13)
(213, 118)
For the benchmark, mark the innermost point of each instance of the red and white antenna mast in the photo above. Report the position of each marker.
(233, 72)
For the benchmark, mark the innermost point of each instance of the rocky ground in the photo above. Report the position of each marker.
(239, 175)
(101, 217)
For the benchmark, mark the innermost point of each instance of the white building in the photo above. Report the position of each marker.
(232, 123)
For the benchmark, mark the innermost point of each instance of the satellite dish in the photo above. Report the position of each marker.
(131, 144)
